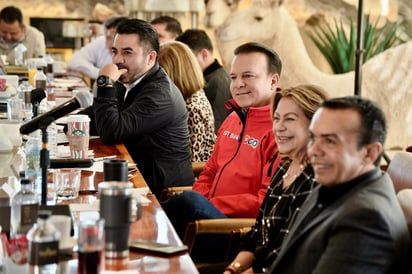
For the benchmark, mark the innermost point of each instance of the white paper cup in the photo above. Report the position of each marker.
(78, 134)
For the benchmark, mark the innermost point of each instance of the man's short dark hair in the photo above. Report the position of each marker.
(147, 34)
(372, 119)
(172, 24)
(274, 62)
(196, 39)
(11, 14)
(113, 21)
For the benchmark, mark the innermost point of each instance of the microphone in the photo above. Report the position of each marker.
(82, 99)
(70, 163)
(36, 95)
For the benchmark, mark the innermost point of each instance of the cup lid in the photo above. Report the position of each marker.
(78, 118)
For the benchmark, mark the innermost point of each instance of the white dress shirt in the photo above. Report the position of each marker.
(90, 58)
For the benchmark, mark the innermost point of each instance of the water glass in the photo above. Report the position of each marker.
(15, 108)
(90, 243)
(66, 183)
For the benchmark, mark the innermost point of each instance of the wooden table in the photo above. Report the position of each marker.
(153, 224)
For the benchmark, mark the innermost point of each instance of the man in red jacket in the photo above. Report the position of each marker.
(235, 179)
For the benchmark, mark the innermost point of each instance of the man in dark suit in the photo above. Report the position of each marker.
(137, 104)
(352, 222)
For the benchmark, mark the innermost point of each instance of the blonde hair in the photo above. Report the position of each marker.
(307, 97)
(181, 65)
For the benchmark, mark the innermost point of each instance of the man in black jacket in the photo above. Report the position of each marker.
(138, 105)
(217, 87)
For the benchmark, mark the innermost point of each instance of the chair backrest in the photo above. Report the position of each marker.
(198, 168)
(234, 228)
(400, 170)
(405, 200)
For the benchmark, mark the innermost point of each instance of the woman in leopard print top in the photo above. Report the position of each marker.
(182, 67)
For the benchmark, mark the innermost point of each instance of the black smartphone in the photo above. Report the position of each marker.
(163, 249)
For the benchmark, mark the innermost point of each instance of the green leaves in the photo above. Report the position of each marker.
(339, 49)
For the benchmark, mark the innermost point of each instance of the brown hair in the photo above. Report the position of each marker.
(182, 67)
(308, 97)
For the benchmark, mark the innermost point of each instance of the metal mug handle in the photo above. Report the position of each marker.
(138, 210)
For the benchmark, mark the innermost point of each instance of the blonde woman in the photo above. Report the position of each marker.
(182, 67)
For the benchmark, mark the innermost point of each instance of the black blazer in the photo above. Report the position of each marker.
(152, 123)
(363, 231)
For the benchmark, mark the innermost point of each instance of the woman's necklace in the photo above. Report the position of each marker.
(295, 174)
(268, 220)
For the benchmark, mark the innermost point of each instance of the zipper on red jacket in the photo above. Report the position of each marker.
(242, 117)
(272, 162)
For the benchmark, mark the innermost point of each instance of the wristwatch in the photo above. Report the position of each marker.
(104, 80)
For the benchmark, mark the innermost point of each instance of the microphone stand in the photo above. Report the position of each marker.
(35, 109)
(44, 159)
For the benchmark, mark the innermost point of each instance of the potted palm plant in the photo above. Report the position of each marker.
(339, 48)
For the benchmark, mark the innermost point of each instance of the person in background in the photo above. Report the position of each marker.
(352, 222)
(217, 79)
(13, 32)
(138, 104)
(235, 179)
(180, 64)
(92, 57)
(96, 28)
(292, 111)
(168, 28)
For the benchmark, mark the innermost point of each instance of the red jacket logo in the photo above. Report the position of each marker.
(231, 135)
(251, 141)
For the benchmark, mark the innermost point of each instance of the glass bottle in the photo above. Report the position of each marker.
(43, 238)
(33, 168)
(52, 139)
(24, 205)
(40, 80)
(19, 54)
(41, 62)
(49, 70)
(24, 92)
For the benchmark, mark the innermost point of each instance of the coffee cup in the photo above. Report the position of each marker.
(78, 135)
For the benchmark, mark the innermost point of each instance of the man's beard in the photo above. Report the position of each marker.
(122, 80)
